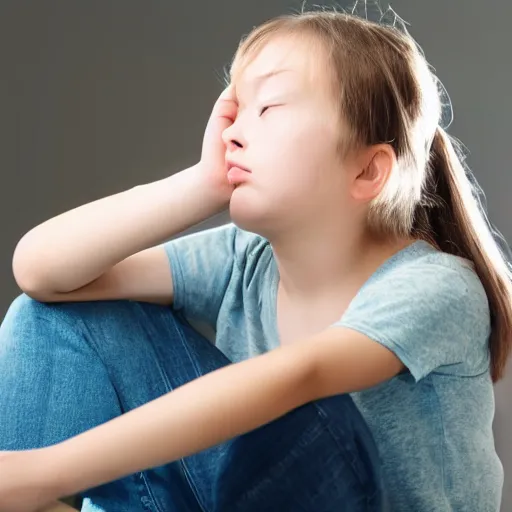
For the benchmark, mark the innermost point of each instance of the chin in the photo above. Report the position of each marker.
(248, 215)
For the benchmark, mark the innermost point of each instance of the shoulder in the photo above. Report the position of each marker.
(428, 290)
(445, 276)
(427, 273)
(428, 307)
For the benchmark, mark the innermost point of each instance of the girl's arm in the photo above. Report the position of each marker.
(76, 248)
(202, 413)
(219, 406)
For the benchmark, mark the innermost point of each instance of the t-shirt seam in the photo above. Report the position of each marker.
(401, 266)
(238, 263)
(177, 276)
(443, 433)
(389, 343)
(448, 375)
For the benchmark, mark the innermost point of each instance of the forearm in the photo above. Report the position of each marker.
(200, 414)
(76, 247)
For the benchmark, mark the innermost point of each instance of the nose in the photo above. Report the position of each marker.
(232, 137)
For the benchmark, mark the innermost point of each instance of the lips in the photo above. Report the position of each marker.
(236, 173)
(231, 164)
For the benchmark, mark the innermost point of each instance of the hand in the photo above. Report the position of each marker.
(213, 156)
(21, 489)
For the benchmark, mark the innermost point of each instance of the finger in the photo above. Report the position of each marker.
(228, 93)
(226, 105)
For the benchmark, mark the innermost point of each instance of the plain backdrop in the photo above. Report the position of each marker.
(98, 96)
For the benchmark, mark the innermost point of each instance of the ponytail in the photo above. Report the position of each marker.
(452, 217)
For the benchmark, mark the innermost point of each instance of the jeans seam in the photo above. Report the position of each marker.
(84, 329)
(150, 494)
(328, 428)
(85, 332)
(181, 461)
(183, 464)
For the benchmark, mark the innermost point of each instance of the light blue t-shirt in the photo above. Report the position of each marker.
(433, 424)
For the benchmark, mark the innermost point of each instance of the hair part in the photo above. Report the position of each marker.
(390, 95)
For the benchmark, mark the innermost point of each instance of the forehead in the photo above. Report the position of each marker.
(282, 59)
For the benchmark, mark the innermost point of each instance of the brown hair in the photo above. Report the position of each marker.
(391, 95)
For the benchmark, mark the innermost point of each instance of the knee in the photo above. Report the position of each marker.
(29, 321)
(27, 310)
(22, 325)
(23, 309)
(27, 318)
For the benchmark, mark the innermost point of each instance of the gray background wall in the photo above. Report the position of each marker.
(101, 95)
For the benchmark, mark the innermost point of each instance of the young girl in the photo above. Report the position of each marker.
(334, 348)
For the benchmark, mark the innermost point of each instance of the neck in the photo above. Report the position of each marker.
(323, 263)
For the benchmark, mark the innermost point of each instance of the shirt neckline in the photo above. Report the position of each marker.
(414, 247)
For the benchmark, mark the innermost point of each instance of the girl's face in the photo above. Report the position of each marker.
(285, 133)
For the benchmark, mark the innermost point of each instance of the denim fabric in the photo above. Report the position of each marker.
(433, 424)
(68, 367)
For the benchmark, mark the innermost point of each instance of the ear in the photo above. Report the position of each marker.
(374, 169)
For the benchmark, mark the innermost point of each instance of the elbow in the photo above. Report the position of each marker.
(28, 273)
(29, 284)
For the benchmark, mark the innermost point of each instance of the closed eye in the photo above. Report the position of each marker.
(264, 109)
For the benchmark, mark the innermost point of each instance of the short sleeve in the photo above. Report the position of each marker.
(434, 317)
(201, 266)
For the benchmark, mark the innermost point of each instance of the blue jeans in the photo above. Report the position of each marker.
(68, 367)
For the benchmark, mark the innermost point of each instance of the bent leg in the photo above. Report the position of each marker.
(68, 367)
(114, 356)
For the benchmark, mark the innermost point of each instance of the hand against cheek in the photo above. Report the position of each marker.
(213, 156)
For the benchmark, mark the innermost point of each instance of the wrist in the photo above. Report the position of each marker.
(215, 189)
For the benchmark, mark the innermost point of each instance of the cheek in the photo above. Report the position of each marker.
(308, 156)
(298, 151)
(310, 141)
